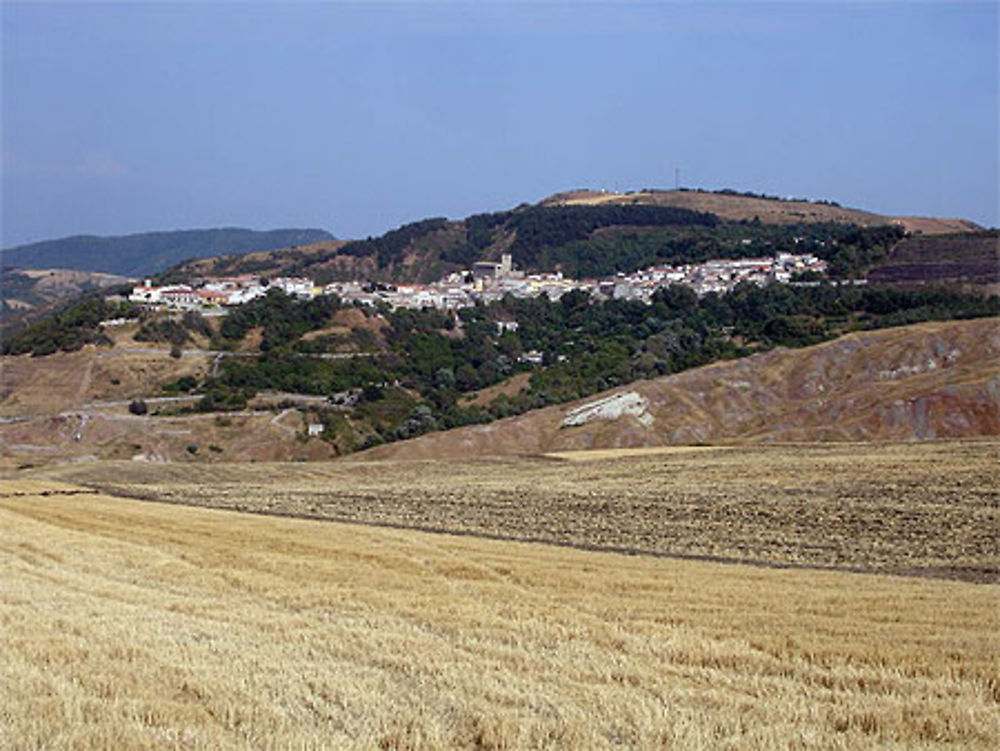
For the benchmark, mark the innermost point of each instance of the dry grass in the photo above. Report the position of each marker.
(930, 509)
(590, 455)
(68, 380)
(745, 208)
(509, 387)
(138, 625)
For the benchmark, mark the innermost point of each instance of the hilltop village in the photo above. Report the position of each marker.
(485, 282)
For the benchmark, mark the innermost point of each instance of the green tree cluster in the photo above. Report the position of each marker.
(390, 247)
(163, 330)
(283, 318)
(68, 329)
(541, 227)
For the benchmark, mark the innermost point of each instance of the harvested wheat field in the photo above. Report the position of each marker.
(139, 625)
(926, 509)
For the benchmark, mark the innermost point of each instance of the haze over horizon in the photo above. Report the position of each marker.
(357, 118)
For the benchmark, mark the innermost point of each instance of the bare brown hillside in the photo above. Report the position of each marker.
(935, 380)
(73, 406)
(28, 294)
(100, 433)
(274, 262)
(69, 380)
(768, 210)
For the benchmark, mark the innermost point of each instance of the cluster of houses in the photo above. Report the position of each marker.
(718, 276)
(488, 281)
(218, 292)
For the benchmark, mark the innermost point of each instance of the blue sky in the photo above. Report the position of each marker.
(358, 117)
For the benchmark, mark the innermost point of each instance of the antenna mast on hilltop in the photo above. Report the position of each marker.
(677, 178)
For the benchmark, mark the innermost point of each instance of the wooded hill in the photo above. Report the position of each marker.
(589, 234)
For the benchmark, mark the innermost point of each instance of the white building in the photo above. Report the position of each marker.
(145, 293)
(294, 287)
(246, 294)
(180, 296)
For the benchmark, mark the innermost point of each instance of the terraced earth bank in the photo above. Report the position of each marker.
(969, 258)
(919, 509)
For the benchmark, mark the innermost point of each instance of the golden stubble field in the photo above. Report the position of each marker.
(926, 509)
(135, 625)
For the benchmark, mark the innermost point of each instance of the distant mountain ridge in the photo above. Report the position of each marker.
(147, 253)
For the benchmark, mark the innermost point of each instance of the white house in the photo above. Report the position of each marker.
(246, 294)
(302, 288)
(145, 293)
(180, 296)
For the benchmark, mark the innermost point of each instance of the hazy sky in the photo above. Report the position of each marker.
(358, 117)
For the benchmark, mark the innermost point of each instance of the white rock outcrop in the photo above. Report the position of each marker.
(610, 408)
